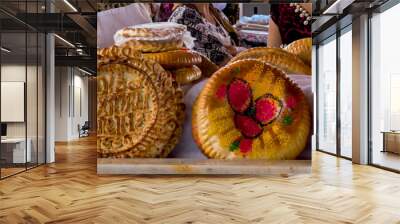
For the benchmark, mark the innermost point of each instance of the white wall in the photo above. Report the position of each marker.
(62, 82)
(70, 83)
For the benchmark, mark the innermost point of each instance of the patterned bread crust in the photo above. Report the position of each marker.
(174, 59)
(187, 74)
(153, 30)
(280, 58)
(302, 48)
(140, 109)
(281, 139)
(115, 52)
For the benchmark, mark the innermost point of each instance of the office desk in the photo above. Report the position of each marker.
(13, 150)
(391, 141)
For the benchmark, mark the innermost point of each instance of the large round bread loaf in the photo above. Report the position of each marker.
(249, 109)
(140, 109)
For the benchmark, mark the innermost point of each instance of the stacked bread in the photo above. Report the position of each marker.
(140, 109)
(248, 109)
(167, 44)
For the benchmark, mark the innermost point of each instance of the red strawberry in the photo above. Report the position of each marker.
(247, 126)
(245, 145)
(291, 102)
(221, 92)
(239, 95)
(267, 109)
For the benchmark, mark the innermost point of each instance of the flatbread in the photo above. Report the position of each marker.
(250, 109)
(140, 109)
(280, 58)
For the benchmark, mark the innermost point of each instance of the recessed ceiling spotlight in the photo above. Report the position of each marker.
(64, 40)
(337, 7)
(70, 5)
(84, 71)
(5, 49)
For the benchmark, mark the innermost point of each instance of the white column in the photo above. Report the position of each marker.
(50, 92)
(50, 99)
(360, 90)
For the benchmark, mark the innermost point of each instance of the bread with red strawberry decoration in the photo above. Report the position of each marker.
(250, 109)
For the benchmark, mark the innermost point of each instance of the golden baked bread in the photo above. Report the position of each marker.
(186, 75)
(161, 29)
(154, 46)
(115, 52)
(280, 58)
(206, 66)
(152, 37)
(140, 109)
(174, 59)
(302, 48)
(249, 109)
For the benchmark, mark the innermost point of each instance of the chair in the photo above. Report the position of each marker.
(84, 130)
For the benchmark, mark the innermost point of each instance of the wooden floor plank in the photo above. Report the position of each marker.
(70, 191)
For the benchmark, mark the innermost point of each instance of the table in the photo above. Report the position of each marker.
(13, 150)
(391, 141)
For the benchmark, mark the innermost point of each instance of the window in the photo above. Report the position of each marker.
(346, 75)
(334, 106)
(327, 96)
(385, 89)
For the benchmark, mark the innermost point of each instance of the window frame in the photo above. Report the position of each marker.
(378, 10)
(334, 37)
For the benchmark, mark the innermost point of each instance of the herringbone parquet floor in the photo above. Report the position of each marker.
(69, 191)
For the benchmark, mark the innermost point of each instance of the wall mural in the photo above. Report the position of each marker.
(182, 90)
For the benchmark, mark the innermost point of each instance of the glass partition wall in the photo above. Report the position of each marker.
(385, 89)
(345, 92)
(326, 109)
(334, 94)
(22, 77)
